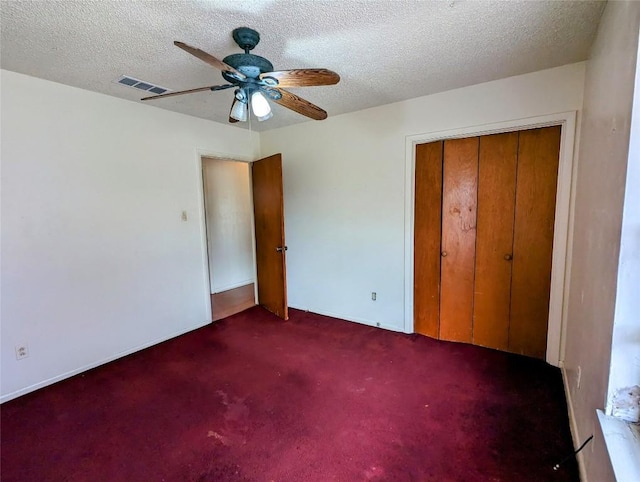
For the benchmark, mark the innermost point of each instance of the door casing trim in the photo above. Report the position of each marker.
(563, 224)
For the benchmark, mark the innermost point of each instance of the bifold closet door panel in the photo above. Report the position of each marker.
(494, 244)
(427, 225)
(537, 177)
(459, 202)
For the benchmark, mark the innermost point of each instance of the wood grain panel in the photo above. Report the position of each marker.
(427, 225)
(190, 91)
(538, 154)
(210, 59)
(496, 204)
(303, 77)
(300, 105)
(268, 208)
(460, 181)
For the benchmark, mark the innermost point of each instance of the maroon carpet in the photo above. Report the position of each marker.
(253, 398)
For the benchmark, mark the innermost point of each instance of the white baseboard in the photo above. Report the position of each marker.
(573, 424)
(69, 374)
(362, 321)
(220, 289)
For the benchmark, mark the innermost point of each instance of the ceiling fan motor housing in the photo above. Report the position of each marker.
(246, 38)
(250, 65)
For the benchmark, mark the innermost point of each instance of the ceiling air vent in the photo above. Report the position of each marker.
(141, 84)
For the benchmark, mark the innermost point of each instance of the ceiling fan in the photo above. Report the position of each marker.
(256, 81)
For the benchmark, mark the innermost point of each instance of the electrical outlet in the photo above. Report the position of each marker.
(579, 377)
(374, 295)
(22, 351)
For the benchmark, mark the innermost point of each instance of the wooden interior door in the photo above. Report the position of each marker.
(458, 247)
(494, 244)
(268, 208)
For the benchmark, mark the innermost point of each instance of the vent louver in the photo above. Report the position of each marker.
(141, 84)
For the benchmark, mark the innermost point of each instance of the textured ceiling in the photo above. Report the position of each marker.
(385, 51)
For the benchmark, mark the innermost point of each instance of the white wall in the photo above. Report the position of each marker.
(229, 224)
(625, 351)
(96, 261)
(344, 188)
(595, 250)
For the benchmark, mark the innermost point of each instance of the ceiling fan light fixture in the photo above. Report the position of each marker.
(239, 111)
(260, 106)
(241, 95)
(265, 117)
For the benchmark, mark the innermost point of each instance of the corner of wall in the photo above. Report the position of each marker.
(573, 425)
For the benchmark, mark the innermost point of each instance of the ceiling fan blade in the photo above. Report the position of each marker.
(208, 58)
(190, 91)
(303, 77)
(299, 105)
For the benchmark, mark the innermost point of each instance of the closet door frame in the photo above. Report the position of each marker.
(563, 223)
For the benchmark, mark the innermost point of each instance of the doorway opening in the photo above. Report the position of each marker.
(228, 209)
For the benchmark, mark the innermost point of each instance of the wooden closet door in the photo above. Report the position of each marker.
(494, 244)
(537, 176)
(459, 201)
(427, 225)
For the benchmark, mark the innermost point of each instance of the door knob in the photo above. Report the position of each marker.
(280, 249)
(443, 254)
(508, 257)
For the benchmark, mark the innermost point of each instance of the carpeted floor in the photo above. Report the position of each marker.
(253, 398)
